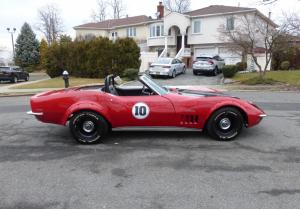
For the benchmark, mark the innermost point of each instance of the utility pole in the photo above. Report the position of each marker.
(12, 40)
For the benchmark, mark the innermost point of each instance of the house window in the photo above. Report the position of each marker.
(196, 26)
(131, 32)
(230, 23)
(114, 34)
(156, 30)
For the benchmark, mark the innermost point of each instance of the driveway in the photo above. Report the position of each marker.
(190, 79)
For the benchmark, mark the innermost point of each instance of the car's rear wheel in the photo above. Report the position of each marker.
(183, 71)
(194, 72)
(27, 78)
(225, 124)
(88, 127)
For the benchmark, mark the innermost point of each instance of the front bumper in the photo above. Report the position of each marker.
(35, 113)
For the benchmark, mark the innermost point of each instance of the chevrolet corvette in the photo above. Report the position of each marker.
(92, 111)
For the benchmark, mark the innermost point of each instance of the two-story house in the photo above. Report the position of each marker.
(185, 36)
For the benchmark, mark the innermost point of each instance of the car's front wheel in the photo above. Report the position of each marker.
(173, 74)
(183, 71)
(88, 127)
(225, 124)
(14, 79)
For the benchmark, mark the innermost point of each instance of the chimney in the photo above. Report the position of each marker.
(160, 10)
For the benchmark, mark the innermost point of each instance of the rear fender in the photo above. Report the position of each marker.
(85, 105)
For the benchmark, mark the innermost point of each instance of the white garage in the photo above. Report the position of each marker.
(207, 51)
(230, 57)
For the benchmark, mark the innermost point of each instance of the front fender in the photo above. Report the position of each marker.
(226, 104)
(85, 105)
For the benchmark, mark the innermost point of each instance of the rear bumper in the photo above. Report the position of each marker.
(203, 69)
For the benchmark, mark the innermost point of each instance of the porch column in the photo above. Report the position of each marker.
(182, 42)
(166, 45)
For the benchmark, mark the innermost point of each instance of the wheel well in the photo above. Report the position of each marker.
(78, 111)
(245, 117)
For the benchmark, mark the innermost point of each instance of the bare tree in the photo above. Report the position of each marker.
(253, 33)
(117, 8)
(50, 22)
(100, 13)
(180, 6)
(292, 22)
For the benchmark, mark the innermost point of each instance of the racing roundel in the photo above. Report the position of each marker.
(140, 110)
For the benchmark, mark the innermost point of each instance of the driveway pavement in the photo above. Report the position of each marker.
(43, 168)
(190, 79)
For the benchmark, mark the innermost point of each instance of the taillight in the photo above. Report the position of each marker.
(211, 62)
(194, 61)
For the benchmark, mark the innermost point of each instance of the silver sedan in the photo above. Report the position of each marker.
(167, 67)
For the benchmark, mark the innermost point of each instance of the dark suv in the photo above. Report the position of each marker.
(13, 74)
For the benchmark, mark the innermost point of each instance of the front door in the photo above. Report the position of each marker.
(152, 110)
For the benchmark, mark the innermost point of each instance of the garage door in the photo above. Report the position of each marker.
(230, 57)
(207, 51)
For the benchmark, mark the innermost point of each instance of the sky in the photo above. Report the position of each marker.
(13, 13)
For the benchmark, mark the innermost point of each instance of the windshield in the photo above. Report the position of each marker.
(163, 61)
(153, 85)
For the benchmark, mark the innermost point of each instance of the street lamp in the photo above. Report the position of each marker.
(12, 39)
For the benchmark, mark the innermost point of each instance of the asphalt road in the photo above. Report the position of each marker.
(41, 167)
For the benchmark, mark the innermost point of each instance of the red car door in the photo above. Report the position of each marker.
(152, 110)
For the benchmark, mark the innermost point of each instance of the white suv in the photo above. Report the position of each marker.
(208, 64)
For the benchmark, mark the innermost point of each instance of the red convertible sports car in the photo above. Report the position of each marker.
(92, 111)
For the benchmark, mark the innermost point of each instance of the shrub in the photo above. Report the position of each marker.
(229, 71)
(285, 65)
(95, 58)
(131, 73)
(241, 66)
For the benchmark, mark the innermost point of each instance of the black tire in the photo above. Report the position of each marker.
(27, 78)
(183, 71)
(215, 71)
(225, 124)
(173, 74)
(14, 79)
(195, 73)
(88, 127)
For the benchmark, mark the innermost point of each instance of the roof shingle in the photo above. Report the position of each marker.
(216, 9)
(116, 22)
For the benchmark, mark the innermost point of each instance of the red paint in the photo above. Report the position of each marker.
(171, 109)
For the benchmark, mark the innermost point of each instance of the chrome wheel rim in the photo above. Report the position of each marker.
(88, 126)
(225, 124)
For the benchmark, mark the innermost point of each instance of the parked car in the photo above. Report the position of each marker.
(208, 65)
(92, 111)
(13, 74)
(167, 67)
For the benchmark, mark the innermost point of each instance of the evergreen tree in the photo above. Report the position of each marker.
(43, 50)
(27, 47)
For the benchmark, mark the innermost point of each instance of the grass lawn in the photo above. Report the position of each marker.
(287, 77)
(59, 83)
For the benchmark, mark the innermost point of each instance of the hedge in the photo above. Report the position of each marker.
(229, 71)
(93, 58)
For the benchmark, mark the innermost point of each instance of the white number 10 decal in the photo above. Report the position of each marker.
(140, 110)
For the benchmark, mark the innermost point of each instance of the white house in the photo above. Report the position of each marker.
(184, 36)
